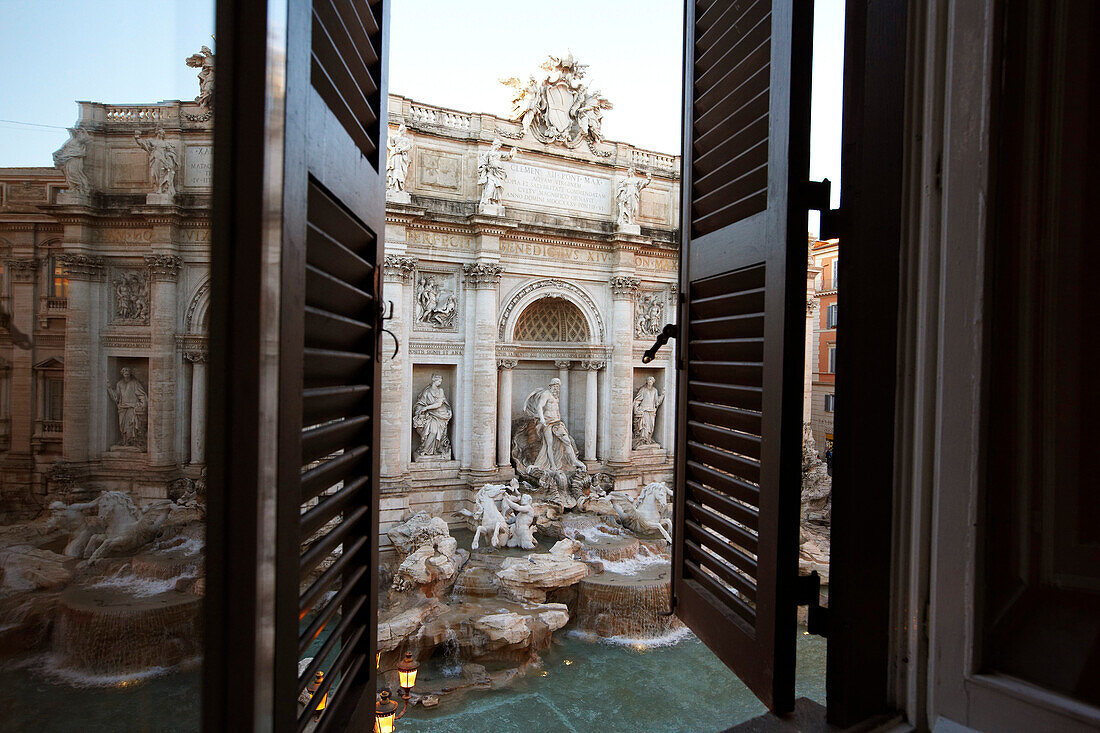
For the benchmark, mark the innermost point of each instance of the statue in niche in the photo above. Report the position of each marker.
(627, 196)
(70, 159)
(204, 62)
(435, 304)
(132, 297)
(558, 451)
(133, 409)
(646, 402)
(431, 419)
(397, 159)
(164, 161)
(651, 315)
(491, 174)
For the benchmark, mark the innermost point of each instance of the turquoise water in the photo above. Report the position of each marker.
(598, 686)
(582, 686)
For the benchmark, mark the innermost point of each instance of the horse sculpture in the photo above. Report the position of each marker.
(488, 516)
(648, 512)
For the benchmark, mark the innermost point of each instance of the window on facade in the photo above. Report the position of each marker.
(835, 270)
(830, 399)
(830, 316)
(59, 281)
(832, 360)
(53, 402)
(552, 319)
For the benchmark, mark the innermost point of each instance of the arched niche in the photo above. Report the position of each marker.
(523, 297)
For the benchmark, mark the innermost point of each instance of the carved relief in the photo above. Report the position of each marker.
(649, 314)
(557, 106)
(436, 301)
(130, 296)
(437, 169)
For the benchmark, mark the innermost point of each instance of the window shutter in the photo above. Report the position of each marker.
(746, 165)
(334, 221)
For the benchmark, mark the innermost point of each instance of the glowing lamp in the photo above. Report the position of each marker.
(385, 712)
(406, 672)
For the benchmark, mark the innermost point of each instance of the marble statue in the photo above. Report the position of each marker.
(204, 62)
(490, 520)
(133, 409)
(558, 107)
(558, 451)
(70, 159)
(111, 525)
(432, 418)
(491, 173)
(650, 316)
(646, 402)
(397, 159)
(164, 161)
(627, 196)
(522, 511)
(436, 304)
(648, 513)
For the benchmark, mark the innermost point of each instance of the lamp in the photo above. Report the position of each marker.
(385, 710)
(406, 672)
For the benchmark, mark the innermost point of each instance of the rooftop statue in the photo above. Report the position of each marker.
(557, 106)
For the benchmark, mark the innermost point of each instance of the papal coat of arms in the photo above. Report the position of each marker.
(557, 106)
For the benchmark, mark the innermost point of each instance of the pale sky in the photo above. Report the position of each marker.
(442, 52)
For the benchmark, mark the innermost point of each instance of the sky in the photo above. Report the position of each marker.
(443, 52)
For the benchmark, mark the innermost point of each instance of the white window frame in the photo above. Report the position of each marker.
(830, 402)
(832, 359)
(830, 315)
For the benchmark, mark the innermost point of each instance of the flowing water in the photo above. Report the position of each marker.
(618, 686)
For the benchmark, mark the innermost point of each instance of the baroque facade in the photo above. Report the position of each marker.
(106, 261)
(824, 256)
(518, 251)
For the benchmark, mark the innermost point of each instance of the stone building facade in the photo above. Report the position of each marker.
(825, 256)
(565, 269)
(106, 261)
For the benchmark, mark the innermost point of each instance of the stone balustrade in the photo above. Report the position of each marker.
(439, 116)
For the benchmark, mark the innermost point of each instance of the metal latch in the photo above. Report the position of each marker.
(818, 198)
(668, 332)
(808, 593)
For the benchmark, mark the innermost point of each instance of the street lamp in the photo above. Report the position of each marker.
(385, 710)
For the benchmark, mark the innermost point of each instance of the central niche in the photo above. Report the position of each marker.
(552, 319)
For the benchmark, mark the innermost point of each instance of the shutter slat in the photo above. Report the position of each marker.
(323, 440)
(321, 513)
(337, 332)
(321, 620)
(328, 403)
(328, 578)
(742, 334)
(331, 472)
(323, 546)
(346, 67)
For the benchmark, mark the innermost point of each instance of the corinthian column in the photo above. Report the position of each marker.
(504, 412)
(163, 272)
(623, 290)
(591, 407)
(397, 274)
(85, 275)
(483, 278)
(563, 399)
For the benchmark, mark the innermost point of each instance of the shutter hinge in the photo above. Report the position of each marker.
(819, 195)
(808, 593)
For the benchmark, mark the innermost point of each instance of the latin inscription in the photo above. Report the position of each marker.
(199, 166)
(554, 252)
(439, 239)
(547, 187)
(125, 236)
(659, 264)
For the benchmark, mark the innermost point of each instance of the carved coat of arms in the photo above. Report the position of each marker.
(558, 107)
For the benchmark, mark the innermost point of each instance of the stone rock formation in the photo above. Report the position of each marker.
(429, 555)
(531, 578)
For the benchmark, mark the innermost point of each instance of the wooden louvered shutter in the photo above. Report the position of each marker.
(746, 164)
(334, 219)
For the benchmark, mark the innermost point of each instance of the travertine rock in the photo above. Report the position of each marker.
(430, 554)
(24, 568)
(530, 578)
(400, 626)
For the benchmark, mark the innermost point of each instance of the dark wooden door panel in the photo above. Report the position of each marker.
(742, 334)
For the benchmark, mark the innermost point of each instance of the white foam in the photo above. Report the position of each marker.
(672, 638)
(645, 558)
(48, 666)
(588, 534)
(140, 587)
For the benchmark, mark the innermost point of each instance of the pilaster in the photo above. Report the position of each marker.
(624, 287)
(164, 276)
(397, 399)
(483, 278)
(86, 275)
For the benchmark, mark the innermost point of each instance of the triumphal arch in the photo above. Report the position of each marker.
(523, 249)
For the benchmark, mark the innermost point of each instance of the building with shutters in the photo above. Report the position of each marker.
(824, 256)
(109, 276)
(497, 299)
